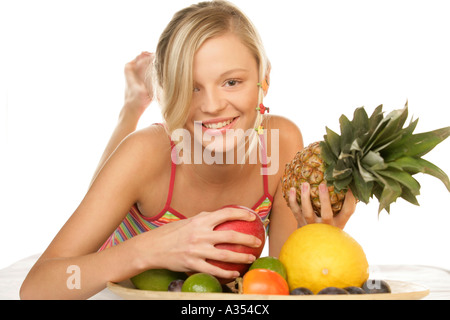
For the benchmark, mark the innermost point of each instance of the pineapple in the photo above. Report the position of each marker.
(373, 156)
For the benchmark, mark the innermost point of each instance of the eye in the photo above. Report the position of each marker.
(196, 89)
(232, 83)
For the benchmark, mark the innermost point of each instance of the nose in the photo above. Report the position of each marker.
(212, 102)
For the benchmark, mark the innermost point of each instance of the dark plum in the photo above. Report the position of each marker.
(354, 290)
(301, 292)
(226, 289)
(332, 290)
(175, 285)
(376, 286)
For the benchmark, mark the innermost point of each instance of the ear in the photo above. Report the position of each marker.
(267, 80)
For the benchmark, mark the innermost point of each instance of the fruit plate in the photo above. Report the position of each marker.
(400, 291)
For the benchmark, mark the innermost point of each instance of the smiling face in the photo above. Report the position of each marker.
(225, 92)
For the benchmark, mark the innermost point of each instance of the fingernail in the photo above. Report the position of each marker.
(251, 259)
(258, 243)
(304, 187)
(292, 191)
(323, 187)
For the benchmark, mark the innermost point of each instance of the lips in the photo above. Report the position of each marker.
(219, 124)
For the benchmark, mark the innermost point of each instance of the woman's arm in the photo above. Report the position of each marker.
(180, 246)
(110, 197)
(138, 96)
(285, 219)
(282, 221)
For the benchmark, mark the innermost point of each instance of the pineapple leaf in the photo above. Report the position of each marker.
(375, 133)
(342, 184)
(403, 178)
(365, 173)
(346, 134)
(361, 189)
(393, 130)
(355, 145)
(416, 145)
(328, 156)
(431, 169)
(409, 196)
(360, 122)
(377, 190)
(425, 142)
(397, 141)
(374, 161)
(333, 140)
(408, 164)
(375, 118)
(342, 170)
(329, 173)
(391, 191)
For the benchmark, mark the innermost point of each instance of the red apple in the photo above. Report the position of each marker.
(255, 228)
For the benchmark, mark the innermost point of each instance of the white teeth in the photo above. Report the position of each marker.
(218, 125)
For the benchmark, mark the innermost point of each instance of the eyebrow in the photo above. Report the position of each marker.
(226, 73)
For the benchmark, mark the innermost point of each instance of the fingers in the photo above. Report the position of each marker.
(218, 246)
(325, 210)
(222, 253)
(235, 237)
(206, 222)
(307, 210)
(228, 214)
(207, 267)
(347, 211)
(295, 208)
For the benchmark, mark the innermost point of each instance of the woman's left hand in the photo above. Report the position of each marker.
(305, 214)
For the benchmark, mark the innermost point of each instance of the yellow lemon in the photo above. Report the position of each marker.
(317, 256)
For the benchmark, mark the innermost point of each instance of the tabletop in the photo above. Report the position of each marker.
(434, 278)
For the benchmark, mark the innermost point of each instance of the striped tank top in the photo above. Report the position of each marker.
(135, 223)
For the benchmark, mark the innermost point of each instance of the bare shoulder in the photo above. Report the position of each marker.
(149, 139)
(147, 149)
(290, 136)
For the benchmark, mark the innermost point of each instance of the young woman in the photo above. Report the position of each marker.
(211, 76)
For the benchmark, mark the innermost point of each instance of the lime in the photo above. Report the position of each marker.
(270, 263)
(201, 282)
(156, 279)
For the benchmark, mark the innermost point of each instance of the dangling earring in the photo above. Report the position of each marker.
(264, 85)
(262, 109)
(260, 130)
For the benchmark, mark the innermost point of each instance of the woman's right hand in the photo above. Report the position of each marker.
(186, 244)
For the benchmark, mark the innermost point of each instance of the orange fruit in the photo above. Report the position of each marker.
(264, 281)
(317, 256)
(270, 263)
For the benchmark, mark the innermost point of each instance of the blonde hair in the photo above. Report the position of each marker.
(183, 36)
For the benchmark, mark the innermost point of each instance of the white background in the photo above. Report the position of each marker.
(61, 89)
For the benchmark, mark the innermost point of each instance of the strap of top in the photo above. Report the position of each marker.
(264, 164)
(173, 170)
